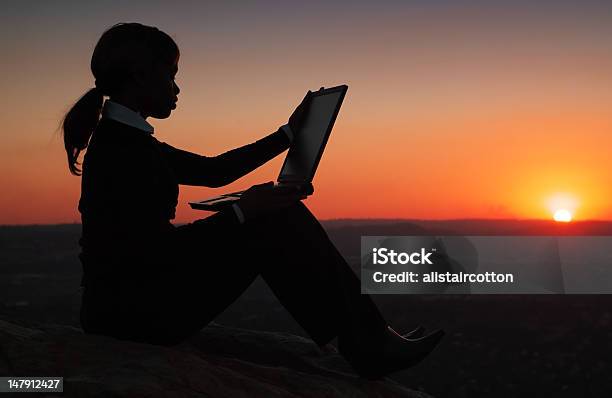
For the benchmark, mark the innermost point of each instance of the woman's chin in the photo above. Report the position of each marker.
(163, 114)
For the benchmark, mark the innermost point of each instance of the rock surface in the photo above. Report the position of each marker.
(218, 362)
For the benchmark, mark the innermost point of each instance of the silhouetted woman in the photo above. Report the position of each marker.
(145, 279)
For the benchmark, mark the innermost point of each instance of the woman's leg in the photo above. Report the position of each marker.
(312, 280)
(212, 263)
(200, 270)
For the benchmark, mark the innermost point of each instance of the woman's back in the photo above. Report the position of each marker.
(128, 197)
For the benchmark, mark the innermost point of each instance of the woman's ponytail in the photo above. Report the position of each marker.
(78, 125)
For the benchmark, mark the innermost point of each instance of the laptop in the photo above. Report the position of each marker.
(303, 157)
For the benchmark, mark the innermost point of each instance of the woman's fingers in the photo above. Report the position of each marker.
(307, 97)
(306, 102)
(300, 111)
(261, 187)
(267, 197)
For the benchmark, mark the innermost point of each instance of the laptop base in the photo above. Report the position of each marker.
(221, 202)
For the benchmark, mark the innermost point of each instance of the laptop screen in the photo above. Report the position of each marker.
(305, 152)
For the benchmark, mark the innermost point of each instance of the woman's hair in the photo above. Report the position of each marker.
(122, 50)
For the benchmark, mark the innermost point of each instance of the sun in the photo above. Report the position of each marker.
(562, 206)
(562, 215)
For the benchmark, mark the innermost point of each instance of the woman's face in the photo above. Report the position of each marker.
(160, 90)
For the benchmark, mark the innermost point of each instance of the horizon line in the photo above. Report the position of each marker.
(372, 219)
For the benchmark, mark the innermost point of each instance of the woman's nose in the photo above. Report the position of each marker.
(176, 89)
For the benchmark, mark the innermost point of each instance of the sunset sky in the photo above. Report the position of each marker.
(455, 109)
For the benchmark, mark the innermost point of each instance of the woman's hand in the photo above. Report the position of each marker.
(298, 117)
(265, 198)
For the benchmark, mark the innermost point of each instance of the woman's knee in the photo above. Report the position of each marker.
(303, 213)
(298, 220)
(299, 209)
(294, 214)
(287, 223)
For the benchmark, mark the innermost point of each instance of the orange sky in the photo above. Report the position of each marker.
(453, 111)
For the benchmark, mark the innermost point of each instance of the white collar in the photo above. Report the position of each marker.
(123, 114)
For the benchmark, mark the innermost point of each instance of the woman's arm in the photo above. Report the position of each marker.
(217, 171)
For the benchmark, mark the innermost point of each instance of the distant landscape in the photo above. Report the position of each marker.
(496, 345)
